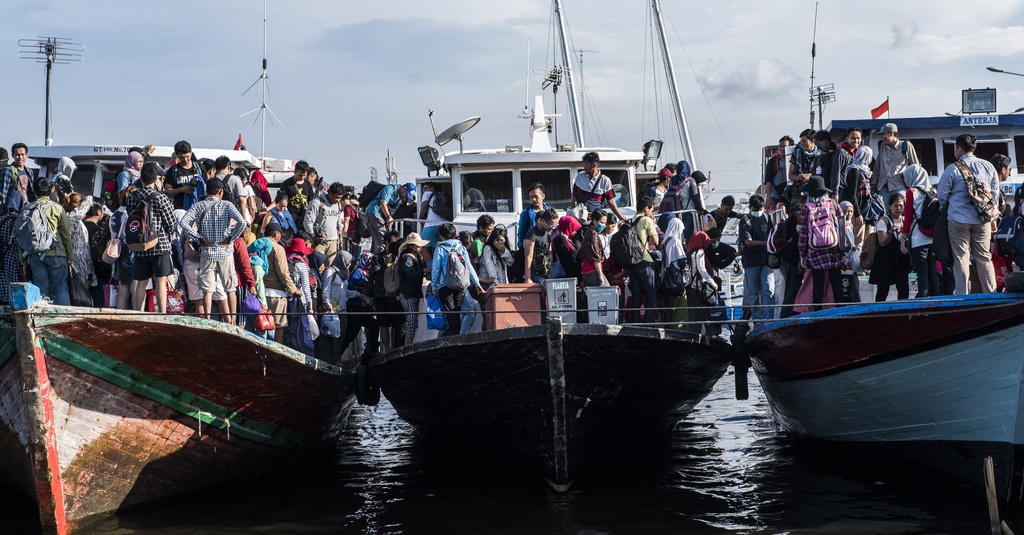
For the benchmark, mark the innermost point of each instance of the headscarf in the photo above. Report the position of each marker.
(567, 226)
(130, 162)
(845, 204)
(260, 182)
(674, 248)
(914, 176)
(682, 171)
(261, 248)
(700, 240)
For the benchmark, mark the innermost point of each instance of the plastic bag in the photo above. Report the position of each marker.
(251, 304)
(435, 314)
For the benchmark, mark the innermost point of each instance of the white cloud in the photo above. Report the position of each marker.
(765, 78)
(915, 46)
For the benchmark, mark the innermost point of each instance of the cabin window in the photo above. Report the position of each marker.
(557, 187)
(487, 192)
(82, 179)
(1018, 153)
(620, 183)
(986, 150)
(925, 149)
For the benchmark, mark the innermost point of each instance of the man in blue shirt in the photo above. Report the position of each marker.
(380, 209)
(528, 217)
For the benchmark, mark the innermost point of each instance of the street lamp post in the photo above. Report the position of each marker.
(1000, 71)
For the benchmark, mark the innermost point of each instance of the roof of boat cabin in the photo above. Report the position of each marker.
(930, 123)
(119, 152)
(525, 157)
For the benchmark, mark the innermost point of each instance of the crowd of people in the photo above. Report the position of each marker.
(206, 238)
(837, 211)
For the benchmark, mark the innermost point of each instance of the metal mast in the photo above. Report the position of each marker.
(684, 131)
(263, 110)
(50, 51)
(574, 107)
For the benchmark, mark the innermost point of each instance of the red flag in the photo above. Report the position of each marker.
(875, 113)
(238, 144)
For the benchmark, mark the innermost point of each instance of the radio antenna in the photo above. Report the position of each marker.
(263, 110)
(50, 51)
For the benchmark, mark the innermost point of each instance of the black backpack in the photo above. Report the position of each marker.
(369, 193)
(929, 210)
(139, 233)
(441, 204)
(625, 244)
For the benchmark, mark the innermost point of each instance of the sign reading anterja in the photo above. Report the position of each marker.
(979, 120)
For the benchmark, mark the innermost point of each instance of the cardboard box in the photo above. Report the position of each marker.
(512, 305)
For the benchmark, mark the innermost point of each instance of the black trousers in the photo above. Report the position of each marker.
(452, 300)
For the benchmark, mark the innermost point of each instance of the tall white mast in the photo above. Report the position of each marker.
(263, 110)
(684, 131)
(574, 107)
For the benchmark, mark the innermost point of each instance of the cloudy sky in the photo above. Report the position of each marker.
(355, 79)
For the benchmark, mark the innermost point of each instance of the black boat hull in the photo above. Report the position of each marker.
(555, 396)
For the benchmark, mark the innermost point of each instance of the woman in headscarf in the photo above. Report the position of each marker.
(131, 171)
(700, 267)
(914, 240)
(563, 253)
(11, 268)
(62, 180)
(81, 257)
(673, 250)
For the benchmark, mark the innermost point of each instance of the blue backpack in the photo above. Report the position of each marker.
(299, 332)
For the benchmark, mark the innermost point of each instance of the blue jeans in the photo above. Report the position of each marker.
(50, 274)
(641, 287)
(759, 291)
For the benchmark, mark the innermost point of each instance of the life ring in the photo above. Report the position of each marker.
(366, 392)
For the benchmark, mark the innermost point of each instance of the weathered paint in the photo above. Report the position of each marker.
(177, 403)
(171, 396)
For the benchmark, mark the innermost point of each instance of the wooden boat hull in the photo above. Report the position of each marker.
(555, 396)
(102, 411)
(935, 380)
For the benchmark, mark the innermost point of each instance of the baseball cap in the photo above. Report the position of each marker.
(890, 127)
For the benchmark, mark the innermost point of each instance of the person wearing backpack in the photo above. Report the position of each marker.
(818, 240)
(967, 189)
(380, 210)
(891, 264)
(148, 229)
(451, 274)
(386, 301)
(641, 281)
(43, 232)
(913, 240)
(411, 269)
(894, 156)
(758, 283)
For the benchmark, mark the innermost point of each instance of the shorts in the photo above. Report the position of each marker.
(382, 306)
(279, 307)
(148, 267)
(214, 274)
(191, 271)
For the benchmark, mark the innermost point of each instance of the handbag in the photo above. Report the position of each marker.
(265, 320)
(113, 249)
(436, 319)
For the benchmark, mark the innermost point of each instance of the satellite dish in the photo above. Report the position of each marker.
(455, 131)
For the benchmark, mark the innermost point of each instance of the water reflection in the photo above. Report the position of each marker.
(726, 469)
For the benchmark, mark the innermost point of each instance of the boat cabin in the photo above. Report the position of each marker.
(933, 139)
(98, 164)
